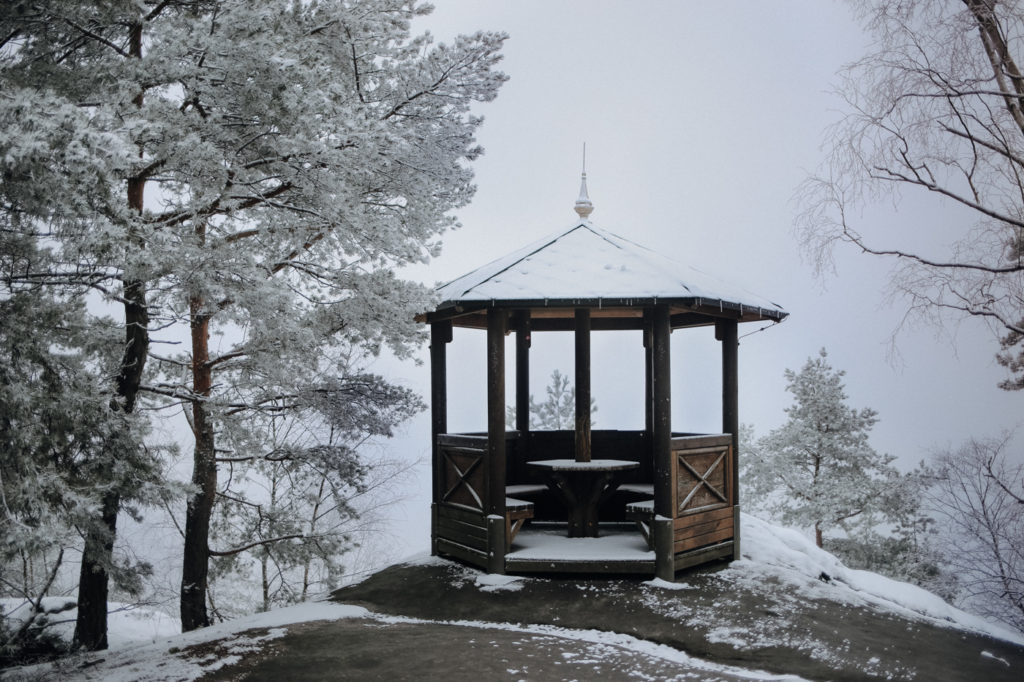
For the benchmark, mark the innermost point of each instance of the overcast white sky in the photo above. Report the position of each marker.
(700, 119)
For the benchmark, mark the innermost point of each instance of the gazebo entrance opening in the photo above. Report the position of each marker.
(680, 490)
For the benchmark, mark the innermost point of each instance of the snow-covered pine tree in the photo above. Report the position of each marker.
(64, 450)
(73, 450)
(558, 411)
(818, 470)
(248, 169)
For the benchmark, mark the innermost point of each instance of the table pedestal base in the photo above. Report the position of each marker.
(583, 493)
(583, 487)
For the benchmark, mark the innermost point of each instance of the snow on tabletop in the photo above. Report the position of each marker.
(767, 548)
(598, 464)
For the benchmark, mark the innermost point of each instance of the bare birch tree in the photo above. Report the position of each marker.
(979, 495)
(936, 109)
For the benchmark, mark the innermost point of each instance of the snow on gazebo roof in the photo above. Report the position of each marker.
(585, 265)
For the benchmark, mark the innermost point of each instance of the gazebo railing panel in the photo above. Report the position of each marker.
(464, 471)
(703, 498)
(460, 524)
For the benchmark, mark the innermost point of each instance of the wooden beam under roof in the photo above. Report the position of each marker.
(607, 313)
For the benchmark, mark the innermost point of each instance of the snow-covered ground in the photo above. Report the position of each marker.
(788, 554)
(161, 657)
(144, 644)
(127, 624)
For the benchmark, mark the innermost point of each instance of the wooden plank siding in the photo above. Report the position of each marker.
(461, 533)
(702, 540)
(689, 521)
(462, 552)
(703, 498)
(465, 534)
(703, 555)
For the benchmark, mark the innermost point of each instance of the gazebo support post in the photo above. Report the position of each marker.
(440, 337)
(494, 507)
(583, 443)
(522, 325)
(648, 332)
(727, 333)
(661, 437)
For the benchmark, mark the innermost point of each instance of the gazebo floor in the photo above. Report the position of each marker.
(546, 548)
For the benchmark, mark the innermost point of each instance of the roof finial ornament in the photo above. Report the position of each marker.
(584, 207)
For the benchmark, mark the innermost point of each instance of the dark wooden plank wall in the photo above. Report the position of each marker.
(607, 444)
(461, 534)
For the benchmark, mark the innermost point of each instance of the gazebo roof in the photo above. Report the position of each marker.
(585, 266)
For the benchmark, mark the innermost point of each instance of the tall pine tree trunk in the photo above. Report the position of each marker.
(195, 566)
(97, 553)
(91, 623)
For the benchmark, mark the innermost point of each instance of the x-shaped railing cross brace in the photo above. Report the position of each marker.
(463, 479)
(702, 479)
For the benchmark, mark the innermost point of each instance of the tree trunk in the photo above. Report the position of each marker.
(312, 533)
(266, 581)
(97, 553)
(91, 624)
(817, 535)
(265, 554)
(195, 563)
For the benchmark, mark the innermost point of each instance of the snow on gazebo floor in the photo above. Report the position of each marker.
(550, 542)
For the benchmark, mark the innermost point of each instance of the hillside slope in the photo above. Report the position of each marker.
(788, 608)
(787, 611)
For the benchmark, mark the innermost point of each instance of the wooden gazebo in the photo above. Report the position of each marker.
(680, 490)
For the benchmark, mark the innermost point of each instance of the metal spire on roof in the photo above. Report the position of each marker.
(584, 207)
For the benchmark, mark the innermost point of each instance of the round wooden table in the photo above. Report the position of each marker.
(583, 486)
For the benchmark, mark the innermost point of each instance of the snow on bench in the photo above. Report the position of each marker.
(516, 513)
(638, 488)
(643, 514)
(525, 489)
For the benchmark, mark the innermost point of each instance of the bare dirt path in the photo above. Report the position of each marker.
(371, 650)
(717, 616)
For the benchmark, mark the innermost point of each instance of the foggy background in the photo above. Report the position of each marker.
(701, 120)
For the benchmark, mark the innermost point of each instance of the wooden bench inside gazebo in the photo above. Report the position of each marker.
(661, 500)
